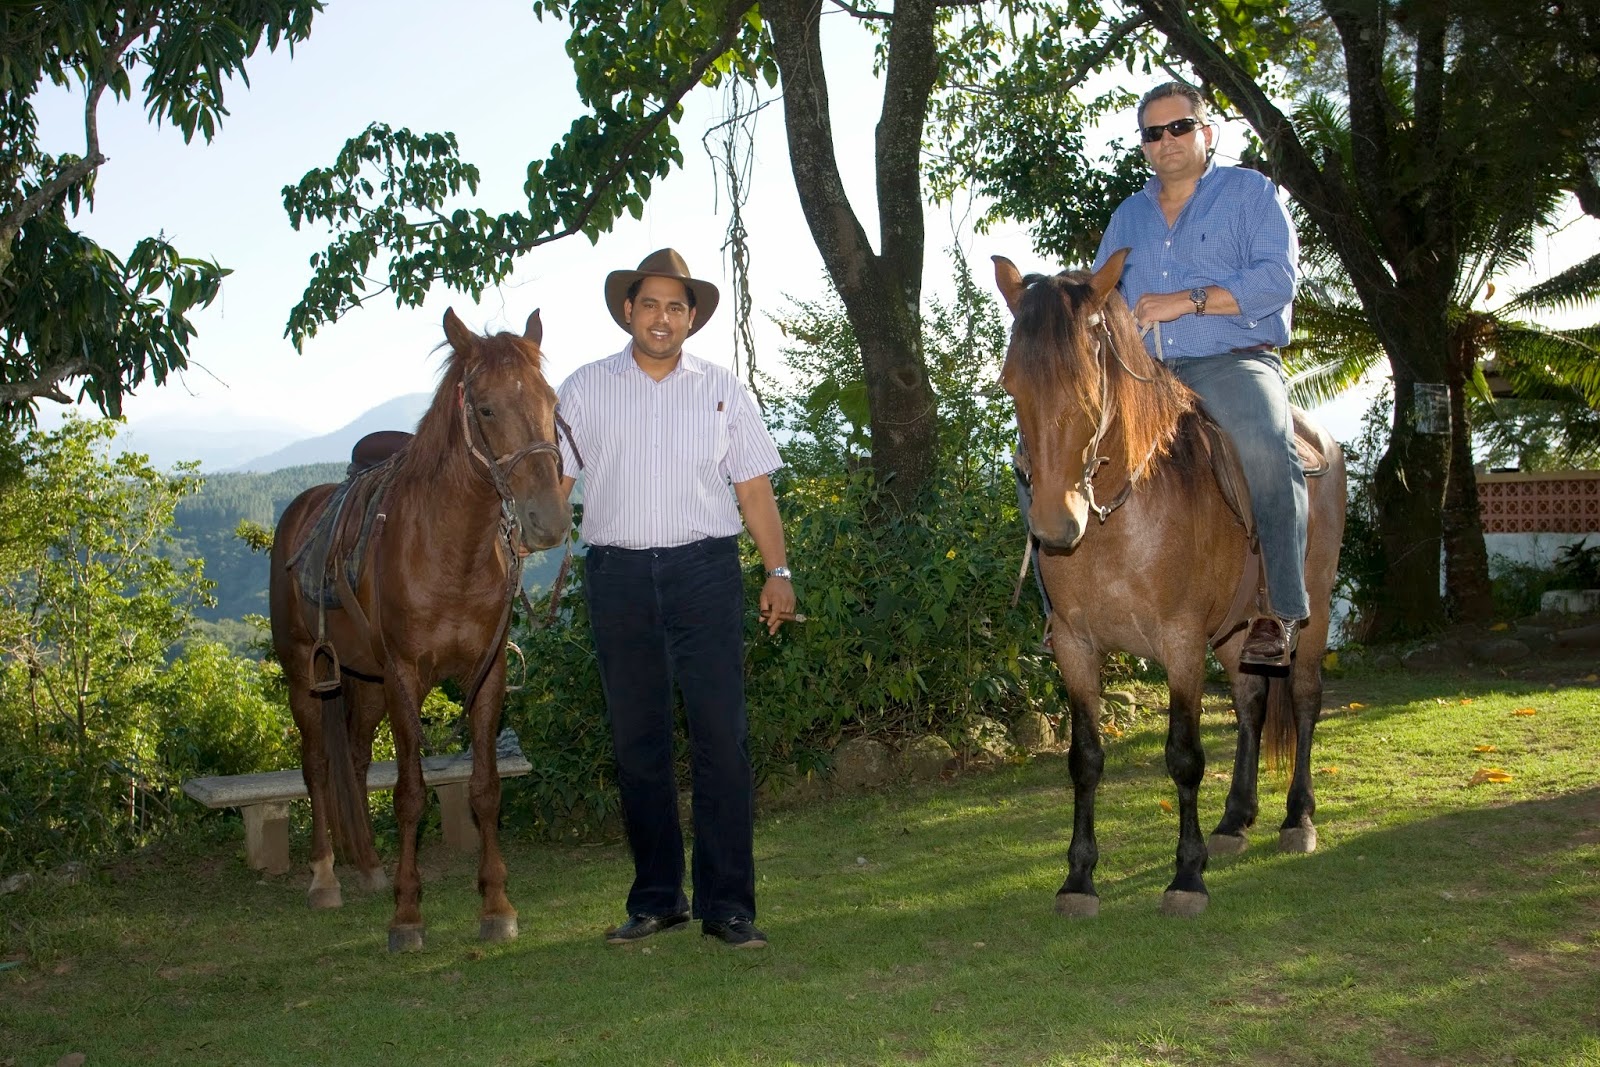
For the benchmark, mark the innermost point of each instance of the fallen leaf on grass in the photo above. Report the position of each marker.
(1489, 774)
(1591, 677)
(1330, 662)
(1500, 627)
(1112, 729)
(1465, 700)
(1485, 748)
(1526, 711)
(1355, 706)
(1166, 805)
(1219, 776)
(1329, 770)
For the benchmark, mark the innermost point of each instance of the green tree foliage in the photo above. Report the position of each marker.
(910, 624)
(402, 199)
(76, 317)
(98, 726)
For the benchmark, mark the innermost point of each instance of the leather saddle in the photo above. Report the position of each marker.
(349, 520)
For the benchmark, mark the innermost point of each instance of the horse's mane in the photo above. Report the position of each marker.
(436, 451)
(1054, 355)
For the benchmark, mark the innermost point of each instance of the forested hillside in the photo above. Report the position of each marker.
(206, 523)
(207, 520)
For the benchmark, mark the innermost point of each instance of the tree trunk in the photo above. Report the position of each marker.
(882, 292)
(1408, 489)
(1468, 594)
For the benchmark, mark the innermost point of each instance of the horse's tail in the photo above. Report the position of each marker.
(1278, 734)
(352, 834)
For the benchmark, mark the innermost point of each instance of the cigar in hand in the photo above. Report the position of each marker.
(786, 616)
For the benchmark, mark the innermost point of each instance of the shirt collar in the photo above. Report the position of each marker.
(622, 361)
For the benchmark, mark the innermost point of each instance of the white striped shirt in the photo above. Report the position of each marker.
(659, 457)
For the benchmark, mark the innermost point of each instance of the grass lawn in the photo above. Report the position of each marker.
(1440, 922)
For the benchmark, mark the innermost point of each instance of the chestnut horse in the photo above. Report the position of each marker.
(439, 530)
(1159, 575)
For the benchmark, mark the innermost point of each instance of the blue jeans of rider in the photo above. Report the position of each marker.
(1246, 394)
(665, 616)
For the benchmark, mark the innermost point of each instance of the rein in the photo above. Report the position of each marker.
(1096, 460)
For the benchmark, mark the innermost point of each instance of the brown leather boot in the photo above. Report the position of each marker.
(1270, 642)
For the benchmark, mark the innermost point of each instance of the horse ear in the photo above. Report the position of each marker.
(1107, 277)
(1009, 279)
(456, 332)
(534, 331)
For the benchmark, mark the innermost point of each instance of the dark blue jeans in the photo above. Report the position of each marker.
(665, 616)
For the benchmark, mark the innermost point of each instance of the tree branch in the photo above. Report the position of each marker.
(1091, 63)
(92, 159)
(47, 386)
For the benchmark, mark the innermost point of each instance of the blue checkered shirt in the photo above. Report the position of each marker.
(1235, 232)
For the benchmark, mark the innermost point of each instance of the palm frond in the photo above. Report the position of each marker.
(1575, 287)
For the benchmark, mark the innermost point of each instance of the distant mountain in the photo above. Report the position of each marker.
(401, 413)
(216, 443)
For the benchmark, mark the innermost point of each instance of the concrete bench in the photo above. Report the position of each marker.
(264, 799)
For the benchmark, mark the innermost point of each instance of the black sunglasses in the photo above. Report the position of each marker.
(1177, 127)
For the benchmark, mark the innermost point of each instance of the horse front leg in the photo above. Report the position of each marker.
(1079, 664)
(403, 693)
(1186, 763)
(498, 919)
(1250, 703)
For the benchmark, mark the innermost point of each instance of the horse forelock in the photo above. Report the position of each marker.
(1050, 352)
(437, 449)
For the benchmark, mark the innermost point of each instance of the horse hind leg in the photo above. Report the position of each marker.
(324, 891)
(366, 713)
(498, 919)
(402, 690)
(1303, 697)
(1239, 814)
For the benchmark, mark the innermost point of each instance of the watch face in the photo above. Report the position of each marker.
(1197, 295)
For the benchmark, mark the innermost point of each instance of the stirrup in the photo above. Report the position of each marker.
(322, 653)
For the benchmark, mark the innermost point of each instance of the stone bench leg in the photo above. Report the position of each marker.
(266, 836)
(455, 817)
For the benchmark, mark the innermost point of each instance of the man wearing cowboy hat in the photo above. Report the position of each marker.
(663, 434)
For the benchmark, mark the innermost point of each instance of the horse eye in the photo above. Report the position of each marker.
(486, 412)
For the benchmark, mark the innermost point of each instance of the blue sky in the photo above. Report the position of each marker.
(497, 77)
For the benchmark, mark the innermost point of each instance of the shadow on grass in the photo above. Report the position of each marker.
(913, 926)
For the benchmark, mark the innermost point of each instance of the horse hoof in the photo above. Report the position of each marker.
(405, 939)
(497, 928)
(374, 881)
(1226, 844)
(1183, 903)
(1301, 839)
(1077, 905)
(322, 899)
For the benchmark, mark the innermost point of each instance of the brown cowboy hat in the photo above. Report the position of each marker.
(665, 263)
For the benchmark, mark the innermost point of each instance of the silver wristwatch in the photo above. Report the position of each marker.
(781, 572)
(1198, 298)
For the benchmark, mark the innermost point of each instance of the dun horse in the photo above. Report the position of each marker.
(403, 577)
(1162, 570)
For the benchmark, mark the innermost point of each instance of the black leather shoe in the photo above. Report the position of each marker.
(740, 933)
(1270, 642)
(639, 927)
